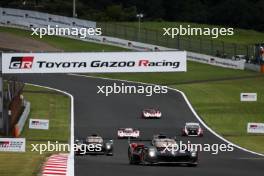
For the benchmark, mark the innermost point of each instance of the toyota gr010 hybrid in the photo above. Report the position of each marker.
(151, 113)
(128, 133)
(192, 129)
(93, 145)
(161, 152)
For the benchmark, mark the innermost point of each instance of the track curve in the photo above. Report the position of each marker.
(104, 115)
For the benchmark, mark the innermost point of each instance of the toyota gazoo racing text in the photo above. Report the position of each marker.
(128, 133)
(140, 63)
(157, 153)
(107, 64)
(192, 129)
(93, 145)
(151, 113)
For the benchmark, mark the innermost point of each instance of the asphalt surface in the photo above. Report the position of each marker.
(96, 113)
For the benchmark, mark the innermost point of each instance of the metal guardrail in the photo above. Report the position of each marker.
(22, 120)
(197, 44)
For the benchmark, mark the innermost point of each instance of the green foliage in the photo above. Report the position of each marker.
(243, 14)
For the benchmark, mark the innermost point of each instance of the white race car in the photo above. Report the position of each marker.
(151, 113)
(128, 133)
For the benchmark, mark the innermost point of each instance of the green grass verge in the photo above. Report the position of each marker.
(195, 72)
(52, 106)
(240, 36)
(218, 103)
(65, 44)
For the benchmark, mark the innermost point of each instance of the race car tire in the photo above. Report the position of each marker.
(131, 161)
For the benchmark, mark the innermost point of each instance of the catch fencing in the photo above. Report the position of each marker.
(194, 44)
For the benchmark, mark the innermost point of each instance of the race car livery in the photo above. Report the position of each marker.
(192, 129)
(128, 133)
(93, 145)
(161, 152)
(151, 113)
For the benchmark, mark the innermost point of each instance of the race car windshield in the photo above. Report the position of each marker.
(94, 140)
(151, 110)
(164, 143)
(193, 126)
(162, 137)
(128, 130)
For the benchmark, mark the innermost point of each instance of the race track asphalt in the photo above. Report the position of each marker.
(96, 113)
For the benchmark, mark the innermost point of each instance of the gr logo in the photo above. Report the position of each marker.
(21, 62)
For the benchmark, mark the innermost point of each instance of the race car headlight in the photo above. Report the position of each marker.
(146, 114)
(152, 153)
(108, 146)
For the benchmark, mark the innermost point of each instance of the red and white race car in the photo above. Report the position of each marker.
(192, 129)
(151, 113)
(128, 133)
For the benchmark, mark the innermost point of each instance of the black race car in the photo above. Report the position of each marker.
(160, 152)
(93, 145)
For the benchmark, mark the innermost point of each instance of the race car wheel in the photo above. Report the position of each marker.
(131, 160)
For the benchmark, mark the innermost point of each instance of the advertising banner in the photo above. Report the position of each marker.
(41, 124)
(255, 127)
(107, 62)
(216, 61)
(12, 145)
(248, 97)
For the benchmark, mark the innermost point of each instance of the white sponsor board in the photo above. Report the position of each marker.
(255, 128)
(174, 61)
(12, 145)
(41, 124)
(248, 97)
(228, 63)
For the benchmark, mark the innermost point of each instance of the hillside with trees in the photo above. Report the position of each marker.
(247, 14)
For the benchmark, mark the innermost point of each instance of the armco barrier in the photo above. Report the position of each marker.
(253, 67)
(216, 61)
(23, 118)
